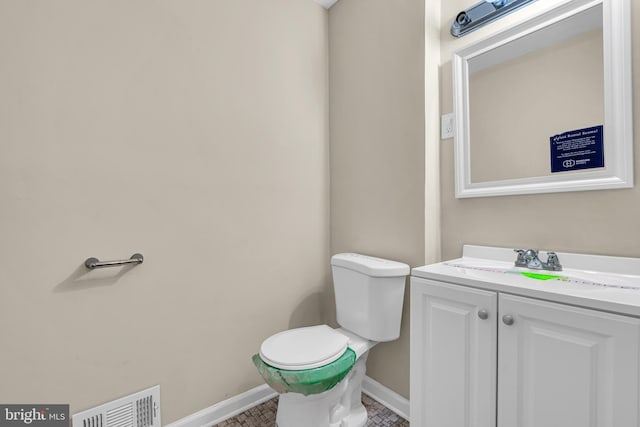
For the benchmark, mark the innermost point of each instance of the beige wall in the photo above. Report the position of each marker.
(601, 222)
(506, 115)
(377, 146)
(194, 132)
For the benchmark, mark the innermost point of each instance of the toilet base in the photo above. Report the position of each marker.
(339, 407)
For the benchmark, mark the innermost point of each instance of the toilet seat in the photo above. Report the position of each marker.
(304, 348)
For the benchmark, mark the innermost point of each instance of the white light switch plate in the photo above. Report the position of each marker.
(446, 126)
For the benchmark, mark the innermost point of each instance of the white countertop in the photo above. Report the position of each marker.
(600, 282)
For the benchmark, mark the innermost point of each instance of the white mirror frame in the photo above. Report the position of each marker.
(618, 118)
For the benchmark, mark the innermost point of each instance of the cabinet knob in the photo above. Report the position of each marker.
(507, 319)
(483, 314)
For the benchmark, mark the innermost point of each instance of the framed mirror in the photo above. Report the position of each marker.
(546, 105)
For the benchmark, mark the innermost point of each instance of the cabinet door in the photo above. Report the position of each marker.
(562, 366)
(453, 355)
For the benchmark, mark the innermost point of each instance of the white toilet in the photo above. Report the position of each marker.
(319, 370)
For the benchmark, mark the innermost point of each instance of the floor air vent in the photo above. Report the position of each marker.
(140, 409)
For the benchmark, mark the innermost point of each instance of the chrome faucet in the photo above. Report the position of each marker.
(529, 259)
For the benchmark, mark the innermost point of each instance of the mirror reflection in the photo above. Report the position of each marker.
(526, 91)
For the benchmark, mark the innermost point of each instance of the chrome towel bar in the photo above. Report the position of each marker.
(92, 263)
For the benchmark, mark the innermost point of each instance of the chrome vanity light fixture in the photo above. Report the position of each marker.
(483, 13)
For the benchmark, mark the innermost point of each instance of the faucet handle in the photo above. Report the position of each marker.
(520, 261)
(553, 263)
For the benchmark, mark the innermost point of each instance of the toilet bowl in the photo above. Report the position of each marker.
(319, 378)
(319, 370)
(305, 360)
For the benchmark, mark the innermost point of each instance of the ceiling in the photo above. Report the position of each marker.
(326, 3)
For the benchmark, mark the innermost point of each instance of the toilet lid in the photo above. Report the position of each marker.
(303, 348)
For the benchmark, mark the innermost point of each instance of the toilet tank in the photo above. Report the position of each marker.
(369, 295)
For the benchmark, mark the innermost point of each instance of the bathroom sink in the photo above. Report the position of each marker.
(605, 283)
(487, 268)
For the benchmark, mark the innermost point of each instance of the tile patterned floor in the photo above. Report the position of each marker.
(264, 415)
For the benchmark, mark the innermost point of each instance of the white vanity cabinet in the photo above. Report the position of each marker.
(484, 358)
(453, 355)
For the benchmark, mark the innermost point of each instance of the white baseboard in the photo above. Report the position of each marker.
(386, 396)
(237, 404)
(227, 408)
